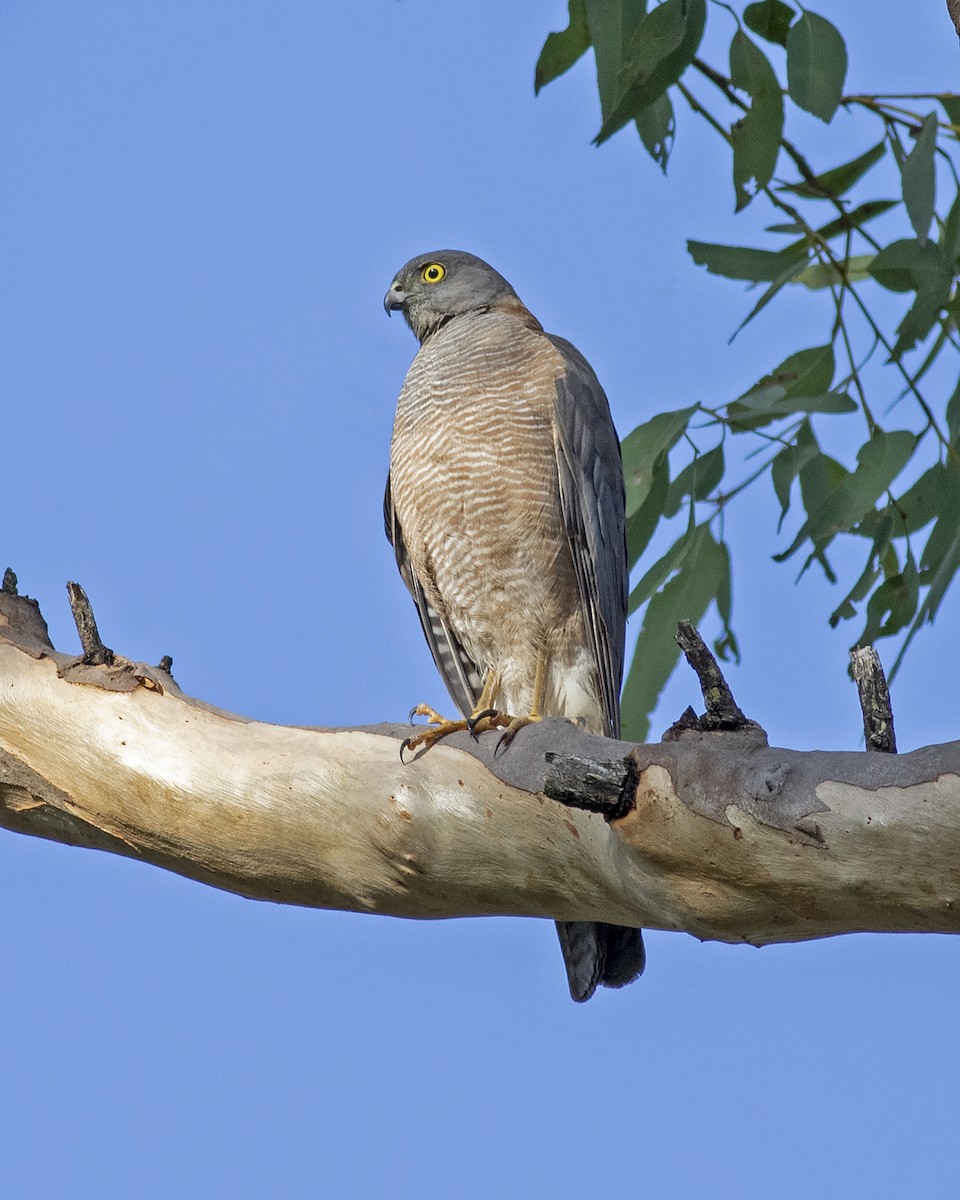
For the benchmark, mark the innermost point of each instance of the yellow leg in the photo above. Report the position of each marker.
(536, 707)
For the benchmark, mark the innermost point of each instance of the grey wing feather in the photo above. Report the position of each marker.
(592, 501)
(461, 677)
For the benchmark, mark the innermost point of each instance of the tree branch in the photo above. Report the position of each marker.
(724, 836)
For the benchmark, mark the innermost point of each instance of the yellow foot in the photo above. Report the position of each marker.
(482, 720)
(437, 727)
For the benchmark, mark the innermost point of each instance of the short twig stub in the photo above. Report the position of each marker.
(95, 653)
(722, 711)
(601, 787)
(875, 704)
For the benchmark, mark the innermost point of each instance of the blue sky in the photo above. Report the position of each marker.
(202, 205)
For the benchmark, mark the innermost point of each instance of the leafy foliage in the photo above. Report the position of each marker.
(899, 494)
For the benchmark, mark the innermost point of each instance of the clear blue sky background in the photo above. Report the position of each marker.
(202, 205)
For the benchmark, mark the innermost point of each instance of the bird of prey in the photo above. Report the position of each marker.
(505, 508)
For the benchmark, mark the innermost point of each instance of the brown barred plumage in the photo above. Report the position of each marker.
(505, 508)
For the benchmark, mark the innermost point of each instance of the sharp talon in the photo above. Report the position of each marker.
(404, 745)
(474, 721)
(410, 715)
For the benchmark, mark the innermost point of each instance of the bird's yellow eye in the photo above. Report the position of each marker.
(433, 272)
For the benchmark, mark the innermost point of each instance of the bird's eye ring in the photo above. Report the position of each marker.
(433, 272)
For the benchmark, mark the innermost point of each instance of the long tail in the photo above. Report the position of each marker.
(598, 954)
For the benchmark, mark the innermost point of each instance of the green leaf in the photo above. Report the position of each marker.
(893, 604)
(925, 499)
(919, 178)
(769, 19)
(657, 128)
(806, 374)
(816, 65)
(837, 403)
(909, 265)
(662, 48)
(697, 479)
(846, 609)
(941, 555)
(950, 241)
(745, 262)
(856, 218)
(837, 181)
(819, 477)
(561, 50)
(656, 576)
(921, 317)
(953, 414)
(612, 24)
(789, 275)
(728, 641)
(939, 561)
(951, 106)
(789, 463)
(756, 136)
(845, 223)
(642, 523)
(642, 448)
(685, 597)
(820, 275)
(836, 509)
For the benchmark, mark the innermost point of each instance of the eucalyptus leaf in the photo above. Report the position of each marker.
(941, 554)
(561, 50)
(872, 571)
(789, 463)
(745, 262)
(953, 414)
(697, 480)
(925, 499)
(657, 127)
(816, 65)
(643, 520)
(788, 275)
(657, 575)
(892, 605)
(612, 25)
(684, 597)
(909, 265)
(661, 49)
(756, 136)
(835, 510)
(836, 182)
(951, 106)
(919, 178)
(821, 275)
(642, 449)
(769, 19)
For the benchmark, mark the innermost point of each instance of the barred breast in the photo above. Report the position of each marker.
(475, 488)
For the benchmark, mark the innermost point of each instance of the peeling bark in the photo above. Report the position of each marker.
(713, 832)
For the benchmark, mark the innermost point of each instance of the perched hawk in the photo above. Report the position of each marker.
(505, 508)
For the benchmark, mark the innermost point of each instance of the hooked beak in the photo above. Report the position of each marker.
(395, 299)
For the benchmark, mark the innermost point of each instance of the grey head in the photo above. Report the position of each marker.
(433, 288)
